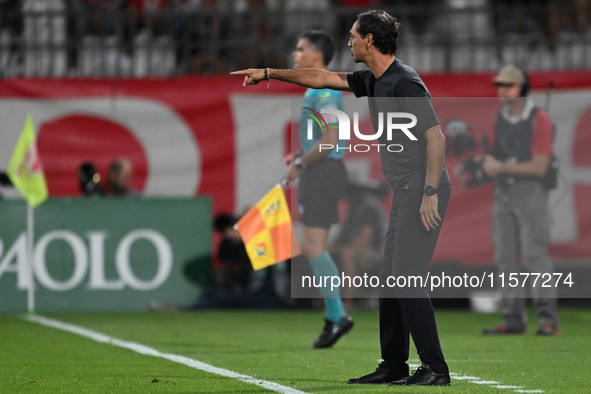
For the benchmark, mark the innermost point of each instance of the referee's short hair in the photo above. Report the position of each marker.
(319, 40)
(383, 27)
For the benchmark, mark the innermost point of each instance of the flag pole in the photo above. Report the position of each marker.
(26, 174)
(30, 262)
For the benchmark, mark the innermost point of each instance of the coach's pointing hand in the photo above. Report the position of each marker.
(252, 76)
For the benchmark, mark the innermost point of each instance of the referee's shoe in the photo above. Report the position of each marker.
(332, 332)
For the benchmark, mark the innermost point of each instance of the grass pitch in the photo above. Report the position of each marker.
(275, 346)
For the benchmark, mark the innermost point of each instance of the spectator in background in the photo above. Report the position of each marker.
(149, 15)
(308, 15)
(119, 178)
(95, 17)
(359, 246)
(234, 269)
(568, 15)
(11, 27)
(10, 15)
(520, 16)
(200, 30)
(419, 13)
(253, 31)
(581, 14)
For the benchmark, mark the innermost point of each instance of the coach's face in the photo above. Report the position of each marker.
(303, 55)
(357, 44)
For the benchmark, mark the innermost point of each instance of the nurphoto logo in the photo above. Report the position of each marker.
(387, 122)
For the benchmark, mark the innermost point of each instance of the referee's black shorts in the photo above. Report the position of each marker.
(321, 185)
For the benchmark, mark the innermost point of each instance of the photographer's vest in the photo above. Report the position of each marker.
(513, 140)
(513, 144)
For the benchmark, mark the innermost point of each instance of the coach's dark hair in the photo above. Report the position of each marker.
(319, 40)
(384, 27)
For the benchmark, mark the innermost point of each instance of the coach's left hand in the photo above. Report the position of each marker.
(429, 213)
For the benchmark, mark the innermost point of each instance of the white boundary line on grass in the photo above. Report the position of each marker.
(142, 349)
(492, 383)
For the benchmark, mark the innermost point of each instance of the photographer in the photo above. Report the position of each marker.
(519, 163)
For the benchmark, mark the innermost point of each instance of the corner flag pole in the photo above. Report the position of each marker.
(26, 174)
(30, 262)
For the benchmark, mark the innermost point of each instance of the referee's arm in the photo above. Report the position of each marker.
(315, 78)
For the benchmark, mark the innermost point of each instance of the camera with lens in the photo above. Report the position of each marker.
(458, 143)
(5, 180)
(89, 180)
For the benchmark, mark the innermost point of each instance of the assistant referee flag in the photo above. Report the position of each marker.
(25, 170)
(266, 231)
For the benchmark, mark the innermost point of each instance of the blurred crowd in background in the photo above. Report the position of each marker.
(141, 38)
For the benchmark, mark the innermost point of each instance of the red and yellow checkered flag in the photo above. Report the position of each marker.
(266, 231)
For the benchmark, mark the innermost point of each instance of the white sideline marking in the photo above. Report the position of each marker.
(484, 382)
(479, 380)
(142, 349)
(463, 377)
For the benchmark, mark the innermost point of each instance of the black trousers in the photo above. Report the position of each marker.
(406, 311)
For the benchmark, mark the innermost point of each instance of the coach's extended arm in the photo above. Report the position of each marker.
(315, 78)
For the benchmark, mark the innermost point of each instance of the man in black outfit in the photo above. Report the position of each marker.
(418, 176)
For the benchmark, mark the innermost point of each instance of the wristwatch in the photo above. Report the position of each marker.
(299, 163)
(430, 190)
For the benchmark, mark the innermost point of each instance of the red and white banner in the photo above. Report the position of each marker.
(212, 136)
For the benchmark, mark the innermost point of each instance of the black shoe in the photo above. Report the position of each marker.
(424, 376)
(503, 330)
(332, 332)
(383, 374)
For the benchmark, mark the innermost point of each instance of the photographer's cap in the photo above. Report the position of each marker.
(509, 75)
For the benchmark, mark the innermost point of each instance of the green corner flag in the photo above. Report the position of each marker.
(25, 170)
